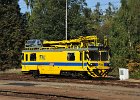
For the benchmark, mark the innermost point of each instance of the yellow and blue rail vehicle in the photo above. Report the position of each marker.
(80, 56)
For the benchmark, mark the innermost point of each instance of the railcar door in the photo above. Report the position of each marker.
(83, 60)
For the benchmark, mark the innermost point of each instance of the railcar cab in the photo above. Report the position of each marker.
(77, 55)
(98, 55)
(98, 63)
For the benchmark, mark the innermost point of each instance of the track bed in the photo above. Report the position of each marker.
(66, 88)
(97, 81)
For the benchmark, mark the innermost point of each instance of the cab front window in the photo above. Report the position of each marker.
(104, 56)
(94, 55)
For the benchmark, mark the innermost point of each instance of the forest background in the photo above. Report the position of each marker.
(46, 20)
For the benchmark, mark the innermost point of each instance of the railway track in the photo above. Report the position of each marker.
(40, 95)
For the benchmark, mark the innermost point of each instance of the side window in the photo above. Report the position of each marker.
(70, 56)
(33, 57)
(26, 57)
(22, 56)
(121, 72)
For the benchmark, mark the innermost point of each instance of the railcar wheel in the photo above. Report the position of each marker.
(35, 74)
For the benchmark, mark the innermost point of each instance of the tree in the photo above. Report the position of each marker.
(95, 21)
(106, 24)
(29, 3)
(47, 19)
(12, 33)
(107, 19)
(77, 22)
(125, 33)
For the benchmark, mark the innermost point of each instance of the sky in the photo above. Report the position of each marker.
(91, 4)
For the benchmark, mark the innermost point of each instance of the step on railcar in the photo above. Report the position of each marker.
(82, 56)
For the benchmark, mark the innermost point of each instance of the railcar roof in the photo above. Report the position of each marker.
(60, 50)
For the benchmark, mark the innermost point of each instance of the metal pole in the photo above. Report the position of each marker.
(66, 26)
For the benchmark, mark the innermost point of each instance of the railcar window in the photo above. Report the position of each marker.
(26, 57)
(104, 56)
(70, 56)
(94, 55)
(121, 72)
(33, 57)
(22, 56)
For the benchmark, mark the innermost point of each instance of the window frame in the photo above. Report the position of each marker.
(33, 57)
(71, 56)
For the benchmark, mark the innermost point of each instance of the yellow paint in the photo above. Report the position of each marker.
(52, 57)
(52, 60)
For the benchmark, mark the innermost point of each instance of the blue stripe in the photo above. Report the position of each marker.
(95, 64)
(106, 64)
(54, 63)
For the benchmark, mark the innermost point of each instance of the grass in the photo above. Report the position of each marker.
(135, 75)
(17, 71)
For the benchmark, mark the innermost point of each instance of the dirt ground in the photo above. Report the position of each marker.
(14, 98)
(75, 88)
(95, 92)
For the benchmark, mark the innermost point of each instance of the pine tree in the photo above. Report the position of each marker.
(12, 33)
